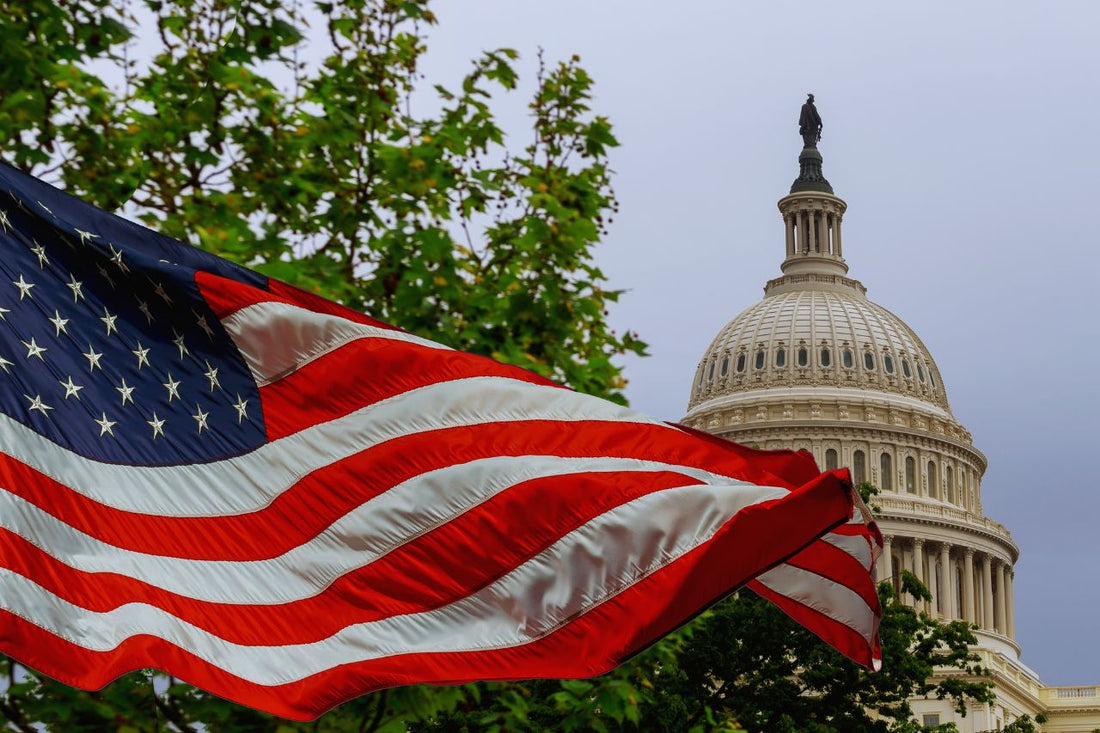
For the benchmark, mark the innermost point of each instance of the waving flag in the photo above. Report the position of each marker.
(288, 503)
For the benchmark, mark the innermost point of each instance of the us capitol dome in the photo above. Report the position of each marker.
(818, 366)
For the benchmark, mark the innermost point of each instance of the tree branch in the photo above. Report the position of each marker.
(379, 711)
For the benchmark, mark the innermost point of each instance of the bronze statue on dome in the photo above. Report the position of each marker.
(809, 123)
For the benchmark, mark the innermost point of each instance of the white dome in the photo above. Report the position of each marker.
(834, 338)
(816, 366)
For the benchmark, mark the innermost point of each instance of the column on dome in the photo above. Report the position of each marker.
(947, 582)
(918, 565)
(812, 243)
(822, 232)
(968, 585)
(1010, 601)
(788, 225)
(1002, 604)
(886, 565)
(987, 592)
(836, 235)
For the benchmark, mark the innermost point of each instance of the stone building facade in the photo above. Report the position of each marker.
(817, 366)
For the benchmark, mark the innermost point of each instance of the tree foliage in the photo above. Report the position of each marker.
(324, 176)
(334, 183)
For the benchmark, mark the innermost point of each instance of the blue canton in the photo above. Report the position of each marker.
(106, 346)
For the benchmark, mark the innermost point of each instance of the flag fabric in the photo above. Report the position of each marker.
(289, 504)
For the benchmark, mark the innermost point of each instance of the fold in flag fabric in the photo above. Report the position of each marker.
(289, 504)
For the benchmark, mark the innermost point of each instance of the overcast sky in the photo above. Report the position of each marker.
(963, 137)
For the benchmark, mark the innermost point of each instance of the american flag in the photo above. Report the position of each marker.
(289, 504)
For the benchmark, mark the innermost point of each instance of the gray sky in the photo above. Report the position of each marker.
(962, 136)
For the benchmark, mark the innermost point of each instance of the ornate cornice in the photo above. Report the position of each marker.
(813, 280)
(976, 525)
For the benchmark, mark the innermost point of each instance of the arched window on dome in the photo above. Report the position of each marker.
(905, 368)
(846, 359)
(741, 362)
(949, 479)
(831, 460)
(803, 356)
(759, 364)
(859, 467)
(868, 361)
(710, 372)
(888, 363)
(931, 379)
(964, 488)
(781, 357)
(886, 465)
(920, 373)
(910, 474)
(725, 366)
(933, 484)
(826, 357)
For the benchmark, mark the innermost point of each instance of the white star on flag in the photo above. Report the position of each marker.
(58, 322)
(200, 418)
(240, 406)
(33, 349)
(105, 426)
(157, 425)
(40, 252)
(109, 321)
(172, 387)
(142, 355)
(38, 404)
(93, 358)
(75, 286)
(24, 287)
(71, 389)
(126, 391)
(211, 373)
